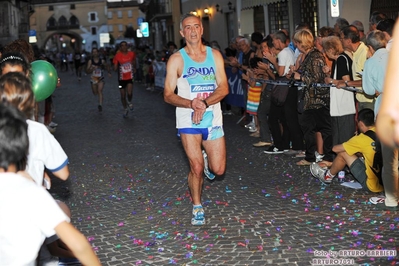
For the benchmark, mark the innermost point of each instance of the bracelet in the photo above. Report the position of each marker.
(206, 104)
(346, 83)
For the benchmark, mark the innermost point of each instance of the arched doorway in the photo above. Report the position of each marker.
(63, 41)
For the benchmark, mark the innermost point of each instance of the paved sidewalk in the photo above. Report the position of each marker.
(128, 193)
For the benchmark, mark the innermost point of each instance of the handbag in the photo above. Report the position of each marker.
(279, 92)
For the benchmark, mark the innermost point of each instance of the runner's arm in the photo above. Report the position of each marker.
(89, 70)
(221, 80)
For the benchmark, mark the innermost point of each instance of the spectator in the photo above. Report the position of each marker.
(32, 215)
(256, 39)
(340, 24)
(374, 76)
(359, 25)
(386, 26)
(247, 54)
(375, 18)
(342, 102)
(316, 115)
(351, 41)
(347, 155)
(264, 104)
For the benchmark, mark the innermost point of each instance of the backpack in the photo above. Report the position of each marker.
(377, 162)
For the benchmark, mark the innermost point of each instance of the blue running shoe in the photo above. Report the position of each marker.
(198, 216)
(131, 107)
(207, 173)
(125, 114)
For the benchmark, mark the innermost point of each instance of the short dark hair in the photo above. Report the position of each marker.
(14, 141)
(269, 41)
(386, 25)
(256, 37)
(366, 116)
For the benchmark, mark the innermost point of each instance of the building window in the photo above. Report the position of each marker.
(120, 27)
(93, 30)
(109, 14)
(62, 21)
(119, 14)
(93, 17)
(259, 19)
(74, 21)
(309, 14)
(278, 16)
(110, 28)
(72, 6)
(50, 8)
(51, 22)
(129, 13)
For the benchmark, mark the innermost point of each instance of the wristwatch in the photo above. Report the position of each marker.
(346, 83)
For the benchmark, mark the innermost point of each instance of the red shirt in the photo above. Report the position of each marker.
(125, 64)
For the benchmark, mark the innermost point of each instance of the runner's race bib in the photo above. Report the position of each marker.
(126, 68)
(97, 73)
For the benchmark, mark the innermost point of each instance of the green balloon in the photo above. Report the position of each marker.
(44, 79)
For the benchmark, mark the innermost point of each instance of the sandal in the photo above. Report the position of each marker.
(303, 162)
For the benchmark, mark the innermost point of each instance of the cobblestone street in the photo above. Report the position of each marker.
(128, 193)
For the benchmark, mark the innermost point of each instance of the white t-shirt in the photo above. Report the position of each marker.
(44, 151)
(286, 59)
(28, 215)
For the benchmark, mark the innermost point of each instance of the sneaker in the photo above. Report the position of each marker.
(252, 129)
(250, 125)
(125, 113)
(131, 107)
(319, 157)
(273, 150)
(100, 108)
(198, 216)
(207, 173)
(320, 173)
(52, 124)
(51, 129)
(261, 144)
(378, 199)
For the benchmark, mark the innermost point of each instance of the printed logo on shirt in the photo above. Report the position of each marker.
(202, 90)
(207, 73)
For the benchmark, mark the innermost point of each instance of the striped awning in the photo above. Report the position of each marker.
(248, 4)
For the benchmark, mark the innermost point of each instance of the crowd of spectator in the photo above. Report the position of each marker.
(311, 95)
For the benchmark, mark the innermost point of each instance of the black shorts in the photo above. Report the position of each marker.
(123, 83)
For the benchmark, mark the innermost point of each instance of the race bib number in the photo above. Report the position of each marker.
(126, 68)
(97, 73)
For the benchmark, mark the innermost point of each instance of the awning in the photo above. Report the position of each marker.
(248, 4)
